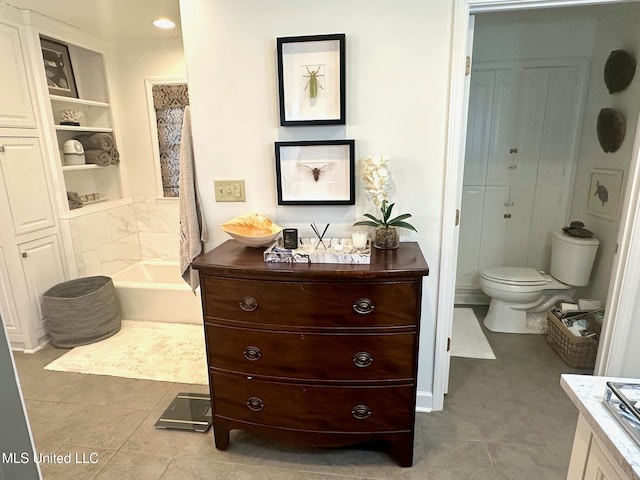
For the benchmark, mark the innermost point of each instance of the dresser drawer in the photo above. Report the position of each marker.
(312, 304)
(313, 407)
(322, 357)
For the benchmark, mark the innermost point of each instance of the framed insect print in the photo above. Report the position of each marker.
(315, 172)
(604, 193)
(311, 80)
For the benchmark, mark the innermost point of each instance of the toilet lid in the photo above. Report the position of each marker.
(514, 275)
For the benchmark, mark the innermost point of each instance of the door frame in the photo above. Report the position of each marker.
(622, 286)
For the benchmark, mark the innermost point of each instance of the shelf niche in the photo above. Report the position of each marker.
(89, 73)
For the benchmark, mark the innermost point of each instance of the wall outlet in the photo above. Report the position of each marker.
(229, 190)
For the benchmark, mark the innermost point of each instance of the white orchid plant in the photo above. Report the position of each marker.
(375, 173)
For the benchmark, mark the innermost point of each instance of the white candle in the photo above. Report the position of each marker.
(359, 240)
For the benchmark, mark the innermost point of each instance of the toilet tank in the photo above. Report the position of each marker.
(572, 258)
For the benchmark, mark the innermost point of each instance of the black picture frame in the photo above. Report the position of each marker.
(311, 79)
(58, 68)
(315, 172)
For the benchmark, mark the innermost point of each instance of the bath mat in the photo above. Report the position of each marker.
(467, 339)
(167, 352)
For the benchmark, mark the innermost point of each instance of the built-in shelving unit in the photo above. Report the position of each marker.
(89, 72)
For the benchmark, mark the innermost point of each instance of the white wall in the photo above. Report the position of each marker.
(533, 34)
(135, 60)
(617, 29)
(156, 220)
(397, 87)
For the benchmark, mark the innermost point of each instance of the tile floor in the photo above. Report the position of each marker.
(503, 419)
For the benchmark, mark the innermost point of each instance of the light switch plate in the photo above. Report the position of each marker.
(229, 190)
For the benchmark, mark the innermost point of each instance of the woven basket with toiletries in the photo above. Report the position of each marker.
(577, 351)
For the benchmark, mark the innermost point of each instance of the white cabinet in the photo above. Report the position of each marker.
(506, 226)
(30, 255)
(599, 467)
(589, 457)
(42, 267)
(467, 273)
(16, 106)
(22, 172)
(94, 183)
(479, 127)
(516, 126)
(520, 153)
(8, 310)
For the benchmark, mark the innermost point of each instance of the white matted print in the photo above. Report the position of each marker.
(315, 173)
(311, 80)
(604, 193)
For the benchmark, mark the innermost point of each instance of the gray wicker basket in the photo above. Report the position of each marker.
(81, 311)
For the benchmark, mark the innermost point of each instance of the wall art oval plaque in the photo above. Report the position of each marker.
(611, 127)
(619, 71)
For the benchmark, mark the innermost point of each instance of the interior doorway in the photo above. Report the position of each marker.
(453, 182)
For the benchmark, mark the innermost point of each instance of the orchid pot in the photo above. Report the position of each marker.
(386, 238)
(376, 176)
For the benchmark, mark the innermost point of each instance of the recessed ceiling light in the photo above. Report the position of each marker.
(164, 23)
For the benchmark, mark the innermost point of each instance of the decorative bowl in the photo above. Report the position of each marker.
(252, 229)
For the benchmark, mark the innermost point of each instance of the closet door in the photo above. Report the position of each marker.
(478, 127)
(16, 109)
(557, 147)
(42, 266)
(506, 226)
(503, 122)
(518, 226)
(556, 143)
(22, 173)
(493, 240)
(470, 231)
(517, 126)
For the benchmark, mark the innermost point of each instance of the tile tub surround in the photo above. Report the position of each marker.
(587, 392)
(105, 241)
(108, 241)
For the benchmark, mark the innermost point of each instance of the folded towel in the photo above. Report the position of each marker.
(97, 141)
(98, 157)
(74, 200)
(115, 157)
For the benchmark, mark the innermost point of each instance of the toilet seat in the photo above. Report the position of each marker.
(521, 276)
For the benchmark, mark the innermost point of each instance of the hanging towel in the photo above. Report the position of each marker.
(97, 141)
(192, 228)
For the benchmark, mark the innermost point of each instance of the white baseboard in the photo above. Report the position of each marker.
(471, 296)
(424, 402)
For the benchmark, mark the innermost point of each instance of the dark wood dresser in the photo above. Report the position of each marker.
(320, 354)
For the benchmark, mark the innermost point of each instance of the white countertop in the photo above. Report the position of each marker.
(587, 392)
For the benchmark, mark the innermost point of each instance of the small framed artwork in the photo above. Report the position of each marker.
(604, 193)
(311, 80)
(315, 172)
(57, 67)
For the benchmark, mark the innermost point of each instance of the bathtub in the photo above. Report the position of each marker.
(150, 290)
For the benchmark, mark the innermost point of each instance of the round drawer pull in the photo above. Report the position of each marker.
(252, 353)
(363, 306)
(248, 304)
(362, 359)
(255, 404)
(361, 412)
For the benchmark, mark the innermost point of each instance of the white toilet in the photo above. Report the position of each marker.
(521, 296)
